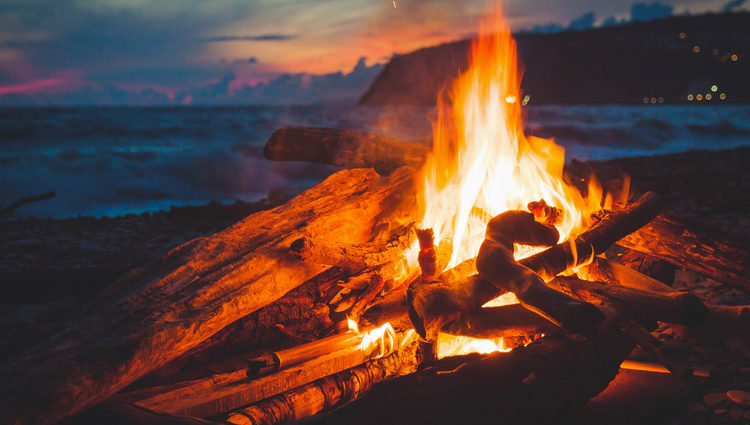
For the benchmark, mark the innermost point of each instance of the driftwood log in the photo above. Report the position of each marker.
(347, 148)
(723, 321)
(158, 312)
(693, 248)
(667, 237)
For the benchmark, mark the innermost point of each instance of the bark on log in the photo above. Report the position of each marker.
(545, 378)
(687, 246)
(165, 308)
(347, 148)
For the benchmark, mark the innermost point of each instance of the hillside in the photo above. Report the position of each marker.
(669, 58)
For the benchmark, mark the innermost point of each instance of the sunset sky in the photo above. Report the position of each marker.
(54, 46)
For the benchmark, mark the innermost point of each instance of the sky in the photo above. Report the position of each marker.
(189, 51)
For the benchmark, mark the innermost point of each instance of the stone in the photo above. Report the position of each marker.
(740, 397)
(735, 414)
(713, 399)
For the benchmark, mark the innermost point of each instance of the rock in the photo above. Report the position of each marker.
(712, 399)
(735, 414)
(740, 397)
(696, 407)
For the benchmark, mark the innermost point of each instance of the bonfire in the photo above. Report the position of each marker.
(465, 282)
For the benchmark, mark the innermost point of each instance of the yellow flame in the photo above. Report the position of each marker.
(382, 338)
(450, 345)
(483, 164)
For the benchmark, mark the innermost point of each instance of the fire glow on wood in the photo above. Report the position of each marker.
(483, 164)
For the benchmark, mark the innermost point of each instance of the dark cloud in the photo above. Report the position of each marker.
(262, 37)
(731, 5)
(648, 11)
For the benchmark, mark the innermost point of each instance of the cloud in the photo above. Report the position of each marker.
(731, 5)
(289, 89)
(648, 11)
(583, 22)
(262, 37)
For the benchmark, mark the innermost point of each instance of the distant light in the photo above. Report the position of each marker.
(723, 96)
(661, 100)
(653, 100)
(690, 97)
(683, 35)
(696, 49)
(734, 58)
(698, 97)
(510, 99)
(714, 88)
(708, 96)
(645, 100)
(526, 99)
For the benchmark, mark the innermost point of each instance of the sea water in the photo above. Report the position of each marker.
(119, 160)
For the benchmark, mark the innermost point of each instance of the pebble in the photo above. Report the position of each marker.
(740, 397)
(712, 399)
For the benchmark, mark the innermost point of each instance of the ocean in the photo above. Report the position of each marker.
(117, 160)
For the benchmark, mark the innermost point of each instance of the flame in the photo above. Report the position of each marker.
(382, 338)
(483, 164)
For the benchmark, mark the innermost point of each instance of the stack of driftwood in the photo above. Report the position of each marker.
(343, 241)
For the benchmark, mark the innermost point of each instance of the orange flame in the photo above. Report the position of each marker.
(483, 164)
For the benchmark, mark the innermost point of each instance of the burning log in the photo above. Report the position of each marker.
(330, 392)
(496, 264)
(347, 148)
(160, 311)
(432, 305)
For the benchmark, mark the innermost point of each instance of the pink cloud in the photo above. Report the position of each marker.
(35, 86)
